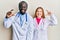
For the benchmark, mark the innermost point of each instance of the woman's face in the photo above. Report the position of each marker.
(39, 13)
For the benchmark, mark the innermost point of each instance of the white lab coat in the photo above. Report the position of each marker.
(40, 32)
(24, 32)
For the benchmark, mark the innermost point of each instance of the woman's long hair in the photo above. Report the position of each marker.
(43, 15)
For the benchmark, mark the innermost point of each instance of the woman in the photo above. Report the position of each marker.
(41, 23)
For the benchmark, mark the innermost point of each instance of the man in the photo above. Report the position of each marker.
(21, 23)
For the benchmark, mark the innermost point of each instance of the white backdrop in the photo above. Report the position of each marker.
(51, 5)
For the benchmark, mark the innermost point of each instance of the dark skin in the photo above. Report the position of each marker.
(22, 10)
(9, 14)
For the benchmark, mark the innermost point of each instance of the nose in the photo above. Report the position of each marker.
(23, 8)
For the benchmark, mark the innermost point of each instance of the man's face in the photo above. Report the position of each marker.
(23, 8)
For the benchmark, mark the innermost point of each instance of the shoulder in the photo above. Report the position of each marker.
(29, 16)
(17, 14)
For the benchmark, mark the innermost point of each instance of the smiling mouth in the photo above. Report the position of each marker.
(23, 10)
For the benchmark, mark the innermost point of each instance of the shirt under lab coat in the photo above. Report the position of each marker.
(40, 32)
(22, 26)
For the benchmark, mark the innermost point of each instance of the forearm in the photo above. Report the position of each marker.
(7, 22)
(52, 20)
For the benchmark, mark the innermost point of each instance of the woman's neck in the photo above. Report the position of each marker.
(38, 17)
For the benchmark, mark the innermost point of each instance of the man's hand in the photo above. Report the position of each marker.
(9, 14)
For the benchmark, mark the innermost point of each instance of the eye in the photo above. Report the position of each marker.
(24, 7)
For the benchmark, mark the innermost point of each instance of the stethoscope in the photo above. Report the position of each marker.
(25, 17)
(24, 20)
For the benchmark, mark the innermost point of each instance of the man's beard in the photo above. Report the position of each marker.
(22, 12)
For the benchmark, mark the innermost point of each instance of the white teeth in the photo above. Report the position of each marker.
(22, 10)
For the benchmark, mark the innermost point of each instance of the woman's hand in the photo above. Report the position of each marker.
(48, 13)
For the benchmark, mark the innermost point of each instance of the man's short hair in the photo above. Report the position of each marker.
(20, 4)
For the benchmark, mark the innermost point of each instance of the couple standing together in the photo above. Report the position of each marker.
(25, 27)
